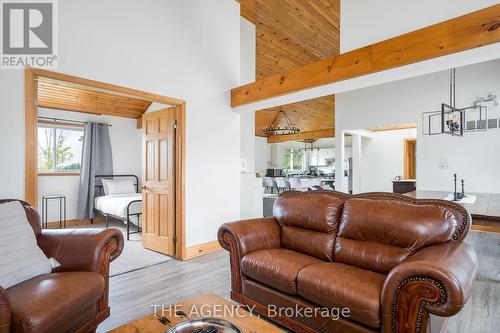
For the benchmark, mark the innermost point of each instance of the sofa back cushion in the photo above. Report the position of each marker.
(309, 222)
(379, 234)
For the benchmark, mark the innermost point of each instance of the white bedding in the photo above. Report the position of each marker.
(117, 204)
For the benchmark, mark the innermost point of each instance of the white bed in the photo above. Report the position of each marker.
(116, 204)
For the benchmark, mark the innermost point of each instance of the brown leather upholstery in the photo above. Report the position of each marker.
(269, 301)
(49, 303)
(75, 299)
(391, 254)
(447, 271)
(372, 236)
(336, 285)
(5, 311)
(276, 267)
(308, 224)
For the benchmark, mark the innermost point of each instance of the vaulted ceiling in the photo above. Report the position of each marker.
(293, 33)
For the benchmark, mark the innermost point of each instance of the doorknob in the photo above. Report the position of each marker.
(144, 187)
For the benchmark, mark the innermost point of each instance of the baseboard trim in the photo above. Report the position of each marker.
(74, 223)
(201, 249)
(486, 228)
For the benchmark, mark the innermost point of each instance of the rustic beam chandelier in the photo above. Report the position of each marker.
(276, 129)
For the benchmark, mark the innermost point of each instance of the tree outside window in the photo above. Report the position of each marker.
(59, 149)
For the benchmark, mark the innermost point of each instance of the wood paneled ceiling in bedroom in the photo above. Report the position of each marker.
(54, 94)
(293, 33)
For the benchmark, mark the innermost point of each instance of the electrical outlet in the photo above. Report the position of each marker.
(443, 163)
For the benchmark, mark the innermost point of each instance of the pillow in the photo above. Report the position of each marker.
(21, 257)
(112, 187)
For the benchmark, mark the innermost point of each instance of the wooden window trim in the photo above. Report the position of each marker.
(59, 123)
(56, 174)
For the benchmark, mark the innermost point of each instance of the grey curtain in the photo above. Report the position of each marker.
(97, 159)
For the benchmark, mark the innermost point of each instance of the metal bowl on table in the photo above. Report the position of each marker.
(205, 325)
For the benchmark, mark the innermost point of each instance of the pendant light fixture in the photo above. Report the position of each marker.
(452, 119)
(276, 129)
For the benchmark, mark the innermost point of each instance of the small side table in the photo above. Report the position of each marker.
(62, 209)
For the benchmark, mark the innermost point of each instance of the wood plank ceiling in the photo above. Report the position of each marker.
(293, 33)
(53, 94)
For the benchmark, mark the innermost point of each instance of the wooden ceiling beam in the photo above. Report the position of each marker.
(466, 32)
(393, 127)
(311, 135)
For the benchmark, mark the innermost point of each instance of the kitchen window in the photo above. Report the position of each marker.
(294, 160)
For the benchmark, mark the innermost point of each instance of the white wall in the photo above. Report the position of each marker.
(474, 157)
(188, 49)
(251, 204)
(247, 69)
(367, 22)
(382, 159)
(126, 148)
(262, 155)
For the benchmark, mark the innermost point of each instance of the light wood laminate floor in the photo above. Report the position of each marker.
(132, 294)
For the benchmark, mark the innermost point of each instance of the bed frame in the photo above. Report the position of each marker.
(100, 191)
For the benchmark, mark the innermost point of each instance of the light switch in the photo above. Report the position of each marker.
(443, 163)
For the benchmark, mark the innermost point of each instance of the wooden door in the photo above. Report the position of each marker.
(158, 183)
(410, 159)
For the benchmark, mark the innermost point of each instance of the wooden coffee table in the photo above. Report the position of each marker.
(202, 304)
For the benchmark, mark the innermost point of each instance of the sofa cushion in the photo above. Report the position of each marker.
(45, 303)
(378, 234)
(309, 222)
(336, 285)
(277, 268)
(318, 212)
(22, 258)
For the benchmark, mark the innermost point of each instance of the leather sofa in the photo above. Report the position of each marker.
(74, 297)
(390, 259)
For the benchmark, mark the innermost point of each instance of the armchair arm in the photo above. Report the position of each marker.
(81, 249)
(5, 312)
(242, 237)
(84, 250)
(437, 280)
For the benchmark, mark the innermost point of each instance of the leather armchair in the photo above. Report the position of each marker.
(390, 259)
(74, 297)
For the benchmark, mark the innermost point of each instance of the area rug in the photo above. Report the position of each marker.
(134, 256)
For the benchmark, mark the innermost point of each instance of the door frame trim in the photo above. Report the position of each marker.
(31, 76)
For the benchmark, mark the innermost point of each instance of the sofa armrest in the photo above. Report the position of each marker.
(437, 280)
(84, 250)
(251, 235)
(5, 312)
(81, 249)
(242, 237)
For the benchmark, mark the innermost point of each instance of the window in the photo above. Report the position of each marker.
(294, 160)
(59, 149)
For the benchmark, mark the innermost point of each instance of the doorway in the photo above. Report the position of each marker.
(97, 99)
(410, 158)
